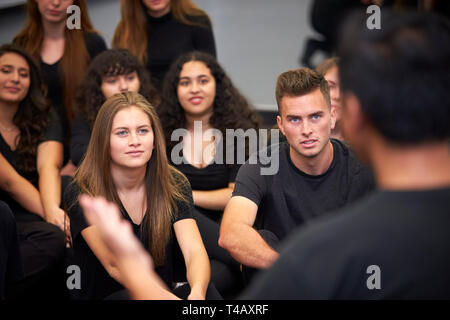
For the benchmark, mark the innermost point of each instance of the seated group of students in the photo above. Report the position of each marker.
(124, 145)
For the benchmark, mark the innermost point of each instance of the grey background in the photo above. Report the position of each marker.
(256, 39)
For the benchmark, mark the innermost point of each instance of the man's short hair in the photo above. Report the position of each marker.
(400, 74)
(299, 82)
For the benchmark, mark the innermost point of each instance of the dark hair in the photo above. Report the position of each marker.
(300, 82)
(32, 116)
(400, 74)
(230, 110)
(111, 62)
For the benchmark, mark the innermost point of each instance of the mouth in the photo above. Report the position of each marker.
(134, 153)
(196, 100)
(309, 143)
(54, 12)
(13, 89)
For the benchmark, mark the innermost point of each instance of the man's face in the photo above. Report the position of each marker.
(306, 121)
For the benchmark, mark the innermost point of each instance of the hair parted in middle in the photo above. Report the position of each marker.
(299, 82)
(231, 110)
(163, 182)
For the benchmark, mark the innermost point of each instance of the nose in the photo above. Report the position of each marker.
(305, 128)
(123, 84)
(194, 87)
(133, 139)
(15, 77)
(56, 3)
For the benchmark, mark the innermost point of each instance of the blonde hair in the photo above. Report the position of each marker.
(163, 182)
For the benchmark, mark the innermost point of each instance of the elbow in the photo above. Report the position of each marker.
(225, 239)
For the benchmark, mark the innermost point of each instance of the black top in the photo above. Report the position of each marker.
(51, 76)
(291, 197)
(53, 133)
(95, 281)
(11, 266)
(168, 38)
(81, 134)
(216, 175)
(403, 233)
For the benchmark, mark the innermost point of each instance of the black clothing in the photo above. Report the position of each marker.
(11, 268)
(52, 77)
(81, 134)
(404, 233)
(95, 281)
(291, 197)
(53, 133)
(168, 38)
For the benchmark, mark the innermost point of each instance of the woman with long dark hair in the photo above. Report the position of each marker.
(31, 151)
(198, 97)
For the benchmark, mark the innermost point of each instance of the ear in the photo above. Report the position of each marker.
(354, 121)
(280, 125)
(333, 117)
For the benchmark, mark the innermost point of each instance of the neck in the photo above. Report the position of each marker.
(336, 133)
(54, 31)
(158, 14)
(313, 166)
(7, 113)
(204, 119)
(128, 180)
(426, 166)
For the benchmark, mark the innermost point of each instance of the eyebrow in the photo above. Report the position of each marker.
(199, 76)
(20, 68)
(141, 126)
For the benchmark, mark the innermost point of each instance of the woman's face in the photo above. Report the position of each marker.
(332, 77)
(131, 139)
(14, 77)
(122, 83)
(54, 11)
(196, 89)
(157, 8)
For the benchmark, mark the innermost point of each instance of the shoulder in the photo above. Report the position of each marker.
(201, 19)
(95, 43)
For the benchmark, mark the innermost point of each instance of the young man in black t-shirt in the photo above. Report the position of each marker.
(315, 175)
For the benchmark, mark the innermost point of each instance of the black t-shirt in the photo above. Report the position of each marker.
(291, 197)
(95, 281)
(51, 76)
(168, 38)
(81, 134)
(11, 267)
(53, 133)
(397, 241)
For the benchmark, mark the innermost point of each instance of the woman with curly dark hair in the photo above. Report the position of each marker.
(199, 98)
(111, 72)
(31, 151)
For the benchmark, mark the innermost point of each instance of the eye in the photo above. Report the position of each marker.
(294, 120)
(131, 77)
(6, 70)
(315, 116)
(121, 133)
(184, 83)
(24, 74)
(143, 131)
(204, 81)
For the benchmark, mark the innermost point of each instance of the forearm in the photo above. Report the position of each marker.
(198, 272)
(247, 246)
(143, 282)
(213, 199)
(26, 195)
(50, 188)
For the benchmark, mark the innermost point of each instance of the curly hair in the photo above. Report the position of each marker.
(231, 110)
(113, 62)
(32, 116)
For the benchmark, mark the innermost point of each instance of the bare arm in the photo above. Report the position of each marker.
(240, 239)
(195, 257)
(213, 199)
(20, 188)
(49, 162)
